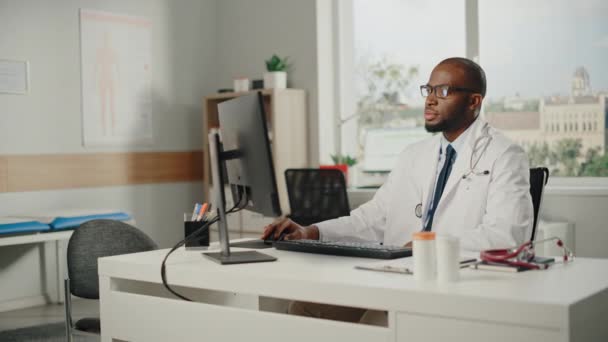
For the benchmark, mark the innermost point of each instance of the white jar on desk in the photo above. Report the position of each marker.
(424, 256)
(448, 258)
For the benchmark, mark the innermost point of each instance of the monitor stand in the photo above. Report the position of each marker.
(252, 244)
(225, 257)
(239, 257)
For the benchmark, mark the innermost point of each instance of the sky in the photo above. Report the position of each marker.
(530, 48)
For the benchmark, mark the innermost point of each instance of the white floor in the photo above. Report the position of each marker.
(47, 314)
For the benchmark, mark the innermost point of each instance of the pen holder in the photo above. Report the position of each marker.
(201, 240)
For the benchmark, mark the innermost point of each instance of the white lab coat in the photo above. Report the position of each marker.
(484, 211)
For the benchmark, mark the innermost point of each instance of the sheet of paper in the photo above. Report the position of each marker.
(13, 77)
(406, 265)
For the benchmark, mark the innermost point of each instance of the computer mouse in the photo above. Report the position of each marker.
(270, 239)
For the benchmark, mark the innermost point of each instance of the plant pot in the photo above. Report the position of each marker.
(275, 80)
(341, 167)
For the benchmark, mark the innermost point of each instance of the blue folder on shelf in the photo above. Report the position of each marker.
(72, 218)
(9, 225)
(70, 222)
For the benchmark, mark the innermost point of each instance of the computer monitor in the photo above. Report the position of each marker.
(244, 152)
(243, 129)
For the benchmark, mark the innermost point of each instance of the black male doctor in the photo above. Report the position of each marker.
(470, 182)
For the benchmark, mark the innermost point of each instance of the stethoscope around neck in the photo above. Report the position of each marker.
(481, 145)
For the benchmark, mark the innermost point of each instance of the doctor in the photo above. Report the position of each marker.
(481, 194)
(470, 181)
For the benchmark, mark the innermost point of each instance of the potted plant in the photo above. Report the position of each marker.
(342, 163)
(276, 77)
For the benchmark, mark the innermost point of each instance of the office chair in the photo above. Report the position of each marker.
(92, 240)
(316, 195)
(538, 179)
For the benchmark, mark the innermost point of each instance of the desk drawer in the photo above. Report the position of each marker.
(415, 327)
(136, 317)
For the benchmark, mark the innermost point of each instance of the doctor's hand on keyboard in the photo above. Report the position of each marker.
(285, 228)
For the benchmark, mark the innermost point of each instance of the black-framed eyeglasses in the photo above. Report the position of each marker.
(442, 90)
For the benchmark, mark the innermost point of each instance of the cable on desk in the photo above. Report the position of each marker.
(163, 272)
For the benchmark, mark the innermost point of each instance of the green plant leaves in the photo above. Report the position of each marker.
(346, 159)
(276, 63)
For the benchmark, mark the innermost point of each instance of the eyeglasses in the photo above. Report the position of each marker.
(442, 90)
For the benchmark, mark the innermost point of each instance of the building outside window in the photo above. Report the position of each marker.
(548, 69)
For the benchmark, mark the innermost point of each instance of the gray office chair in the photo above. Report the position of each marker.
(92, 240)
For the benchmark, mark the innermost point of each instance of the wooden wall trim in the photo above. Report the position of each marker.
(3, 174)
(68, 171)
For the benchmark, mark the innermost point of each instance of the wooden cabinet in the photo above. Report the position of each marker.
(287, 127)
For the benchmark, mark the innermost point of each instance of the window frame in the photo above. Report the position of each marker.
(343, 35)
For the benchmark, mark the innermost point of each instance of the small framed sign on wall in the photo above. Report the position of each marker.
(14, 77)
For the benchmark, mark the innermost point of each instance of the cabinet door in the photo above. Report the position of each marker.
(289, 137)
(413, 327)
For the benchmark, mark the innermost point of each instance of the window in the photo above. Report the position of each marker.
(544, 61)
(562, 45)
(392, 58)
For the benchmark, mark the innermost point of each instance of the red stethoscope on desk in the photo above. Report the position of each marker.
(523, 255)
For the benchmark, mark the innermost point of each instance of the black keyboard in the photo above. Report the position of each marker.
(354, 249)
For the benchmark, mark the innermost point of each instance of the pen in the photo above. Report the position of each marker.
(202, 212)
(197, 208)
(208, 213)
(467, 262)
(386, 268)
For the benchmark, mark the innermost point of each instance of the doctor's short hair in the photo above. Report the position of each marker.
(474, 73)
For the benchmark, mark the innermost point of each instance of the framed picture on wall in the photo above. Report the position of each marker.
(116, 79)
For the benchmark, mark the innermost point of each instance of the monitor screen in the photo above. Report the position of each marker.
(250, 172)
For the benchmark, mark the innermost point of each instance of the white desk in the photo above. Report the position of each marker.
(565, 303)
(53, 267)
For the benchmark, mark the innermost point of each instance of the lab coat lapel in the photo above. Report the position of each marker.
(429, 173)
(462, 163)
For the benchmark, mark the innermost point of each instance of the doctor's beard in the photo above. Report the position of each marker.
(450, 123)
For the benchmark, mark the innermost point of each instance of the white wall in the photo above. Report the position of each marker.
(588, 213)
(48, 118)
(46, 33)
(249, 32)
